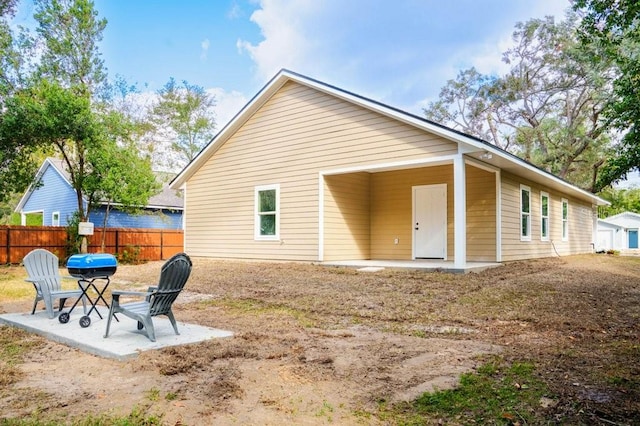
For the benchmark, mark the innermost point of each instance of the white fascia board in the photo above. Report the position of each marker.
(41, 170)
(465, 143)
(232, 126)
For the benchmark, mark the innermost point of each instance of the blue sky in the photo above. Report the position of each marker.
(398, 52)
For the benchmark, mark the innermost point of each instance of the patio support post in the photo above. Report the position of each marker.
(459, 212)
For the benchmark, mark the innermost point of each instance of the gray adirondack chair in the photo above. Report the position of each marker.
(157, 299)
(43, 273)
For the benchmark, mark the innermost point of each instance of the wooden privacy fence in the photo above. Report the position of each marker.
(129, 244)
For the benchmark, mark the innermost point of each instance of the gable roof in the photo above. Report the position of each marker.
(167, 198)
(623, 215)
(466, 143)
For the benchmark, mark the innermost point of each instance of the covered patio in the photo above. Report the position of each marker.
(440, 213)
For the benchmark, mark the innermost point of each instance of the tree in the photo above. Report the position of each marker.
(622, 200)
(16, 165)
(65, 106)
(42, 116)
(99, 152)
(120, 177)
(612, 28)
(546, 109)
(184, 115)
(70, 32)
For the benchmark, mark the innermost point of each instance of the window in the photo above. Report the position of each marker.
(267, 218)
(565, 220)
(525, 213)
(544, 216)
(55, 219)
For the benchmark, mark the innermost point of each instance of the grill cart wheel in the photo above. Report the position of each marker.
(64, 317)
(85, 321)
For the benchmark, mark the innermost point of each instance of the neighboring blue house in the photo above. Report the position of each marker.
(55, 199)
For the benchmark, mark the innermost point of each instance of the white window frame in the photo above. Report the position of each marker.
(524, 214)
(55, 218)
(544, 217)
(257, 214)
(565, 220)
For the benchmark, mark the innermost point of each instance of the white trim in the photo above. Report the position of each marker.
(413, 217)
(565, 235)
(472, 144)
(53, 221)
(35, 185)
(529, 214)
(459, 212)
(480, 165)
(492, 169)
(498, 216)
(23, 216)
(256, 218)
(543, 217)
(321, 217)
(397, 165)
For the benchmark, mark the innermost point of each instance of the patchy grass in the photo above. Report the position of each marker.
(568, 329)
(12, 284)
(497, 393)
(260, 308)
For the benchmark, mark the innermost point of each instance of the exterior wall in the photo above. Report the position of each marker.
(294, 136)
(580, 235)
(158, 219)
(611, 237)
(481, 215)
(53, 195)
(626, 220)
(392, 209)
(347, 217)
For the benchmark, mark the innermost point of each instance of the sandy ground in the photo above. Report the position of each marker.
(316, 345)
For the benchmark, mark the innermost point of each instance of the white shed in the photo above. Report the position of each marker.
(626, 224)
(610, 236)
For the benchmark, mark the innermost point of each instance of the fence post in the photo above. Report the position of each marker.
(117, 242)
(8, 246)
(161, 244)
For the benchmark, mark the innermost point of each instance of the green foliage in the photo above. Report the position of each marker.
(130, 255)
(612, 29)
(184, 115)
(497, 393)
(545, 109)
(74, 240)
(622, 200)
(71, 32)
(137, 417)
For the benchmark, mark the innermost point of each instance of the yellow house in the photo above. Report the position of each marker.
(307, 171)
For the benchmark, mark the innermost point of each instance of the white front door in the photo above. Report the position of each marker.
(430, 221)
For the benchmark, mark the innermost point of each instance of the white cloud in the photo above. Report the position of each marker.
(285, 44)
(228, 104)
(396, 52)
(204, 49)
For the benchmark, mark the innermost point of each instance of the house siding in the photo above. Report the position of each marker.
(53, 195)
(392, 210)
(481, 215)
(314, 132)
(580, 223)
(347, 217)
(158, 219)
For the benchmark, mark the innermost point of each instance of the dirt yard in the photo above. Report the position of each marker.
(320, 345)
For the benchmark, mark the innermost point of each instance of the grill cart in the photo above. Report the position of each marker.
(91, 270)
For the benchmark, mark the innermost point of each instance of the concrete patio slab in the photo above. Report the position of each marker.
(418, 264)
(125, 341)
